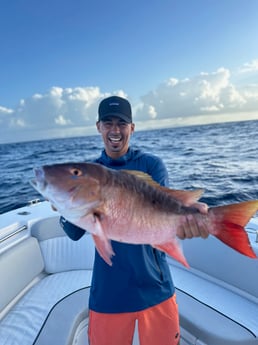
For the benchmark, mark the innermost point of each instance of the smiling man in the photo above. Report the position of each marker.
(115, 125)
(138, 286)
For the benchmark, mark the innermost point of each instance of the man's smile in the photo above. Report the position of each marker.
(115, 139)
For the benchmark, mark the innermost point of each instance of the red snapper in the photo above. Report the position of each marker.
(128, 206)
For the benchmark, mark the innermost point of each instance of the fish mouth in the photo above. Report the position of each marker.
(39, 182)
(39, 174)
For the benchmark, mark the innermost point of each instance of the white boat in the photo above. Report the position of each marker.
(46, 277)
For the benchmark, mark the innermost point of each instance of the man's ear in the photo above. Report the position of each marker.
(98, 126)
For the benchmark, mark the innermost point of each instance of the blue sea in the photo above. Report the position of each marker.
(220, 158)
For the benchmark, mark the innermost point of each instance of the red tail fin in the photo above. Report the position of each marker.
(230, 221)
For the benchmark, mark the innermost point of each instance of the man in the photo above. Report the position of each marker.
(138, 285)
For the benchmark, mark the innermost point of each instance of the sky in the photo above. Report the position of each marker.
(179, 62)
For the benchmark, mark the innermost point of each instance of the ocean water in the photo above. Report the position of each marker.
(220, 158)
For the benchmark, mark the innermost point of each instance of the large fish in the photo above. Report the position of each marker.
(128, 206)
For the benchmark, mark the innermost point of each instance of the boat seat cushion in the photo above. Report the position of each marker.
(66, 316)
(211, 311)
(25, 320)
(222, 263)
(19, 266)
(60, 253)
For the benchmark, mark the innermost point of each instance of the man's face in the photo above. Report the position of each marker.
(116, 135)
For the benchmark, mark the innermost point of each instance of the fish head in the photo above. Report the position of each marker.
(71, 188)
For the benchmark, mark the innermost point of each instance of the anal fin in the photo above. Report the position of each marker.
(174, 250)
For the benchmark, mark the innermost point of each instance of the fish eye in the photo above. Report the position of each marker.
(76, 172)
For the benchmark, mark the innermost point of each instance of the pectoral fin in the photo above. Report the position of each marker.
(104, 248)
(102, 243)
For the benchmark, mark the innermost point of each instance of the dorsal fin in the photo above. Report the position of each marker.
(186, 197)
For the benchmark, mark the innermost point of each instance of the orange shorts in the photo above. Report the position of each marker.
(156, 325)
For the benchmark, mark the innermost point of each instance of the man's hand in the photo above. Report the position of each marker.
(191, 228)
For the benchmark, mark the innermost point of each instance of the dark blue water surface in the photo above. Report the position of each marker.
(221, 158)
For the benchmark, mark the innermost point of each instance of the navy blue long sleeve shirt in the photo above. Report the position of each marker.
(139, 277)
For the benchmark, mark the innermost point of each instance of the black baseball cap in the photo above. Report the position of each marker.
(115, 106)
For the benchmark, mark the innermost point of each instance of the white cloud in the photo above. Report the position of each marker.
(249, 67)
(206, 93)
(5, 117)
(152, 112)
(69, 110)
(59, 107)
(4, 110)
(62, 121)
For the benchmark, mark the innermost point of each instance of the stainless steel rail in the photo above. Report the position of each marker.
(20, 229)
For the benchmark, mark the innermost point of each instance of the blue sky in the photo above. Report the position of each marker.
(178, 62)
